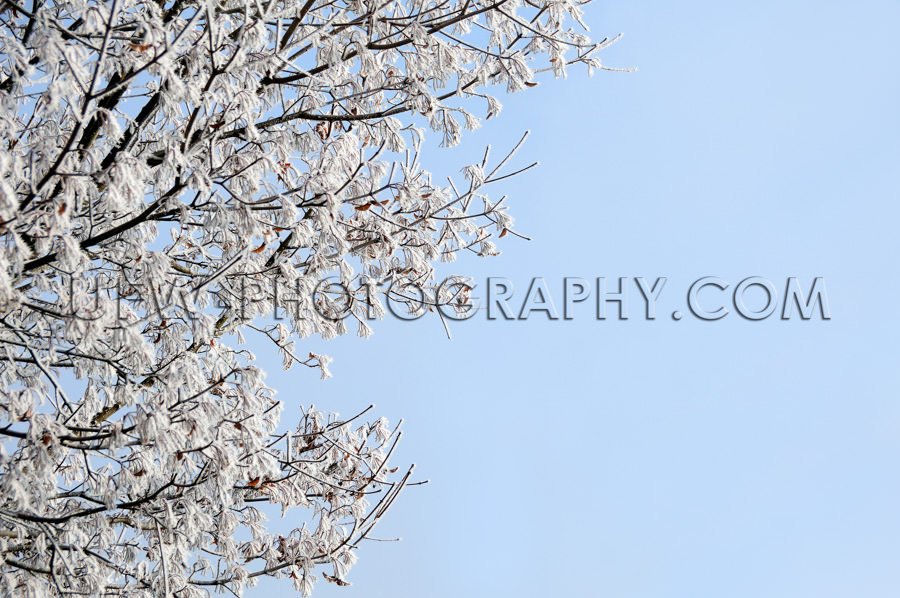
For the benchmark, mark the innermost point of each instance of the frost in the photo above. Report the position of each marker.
(177, 176)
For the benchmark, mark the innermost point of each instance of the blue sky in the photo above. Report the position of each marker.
(651, 459)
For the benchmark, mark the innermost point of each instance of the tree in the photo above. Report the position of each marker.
(174, 173)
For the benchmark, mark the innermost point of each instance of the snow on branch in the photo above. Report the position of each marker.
(177, 173)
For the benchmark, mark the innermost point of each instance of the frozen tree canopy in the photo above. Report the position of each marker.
(175, 175)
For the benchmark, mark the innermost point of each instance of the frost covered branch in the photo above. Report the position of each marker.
(176, 173)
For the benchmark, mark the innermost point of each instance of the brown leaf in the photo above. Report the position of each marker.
(334, 579)
(503, 233)
(530, 84)
(62, 208)
(363, 207)
(260, 248)
(253, 482)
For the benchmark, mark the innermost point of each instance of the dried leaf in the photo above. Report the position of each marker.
(334, 579)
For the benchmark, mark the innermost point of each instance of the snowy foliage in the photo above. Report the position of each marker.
(173, 173)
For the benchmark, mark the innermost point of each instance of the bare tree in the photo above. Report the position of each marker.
(173, 173)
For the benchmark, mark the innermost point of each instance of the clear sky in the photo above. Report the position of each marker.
(663, 459)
